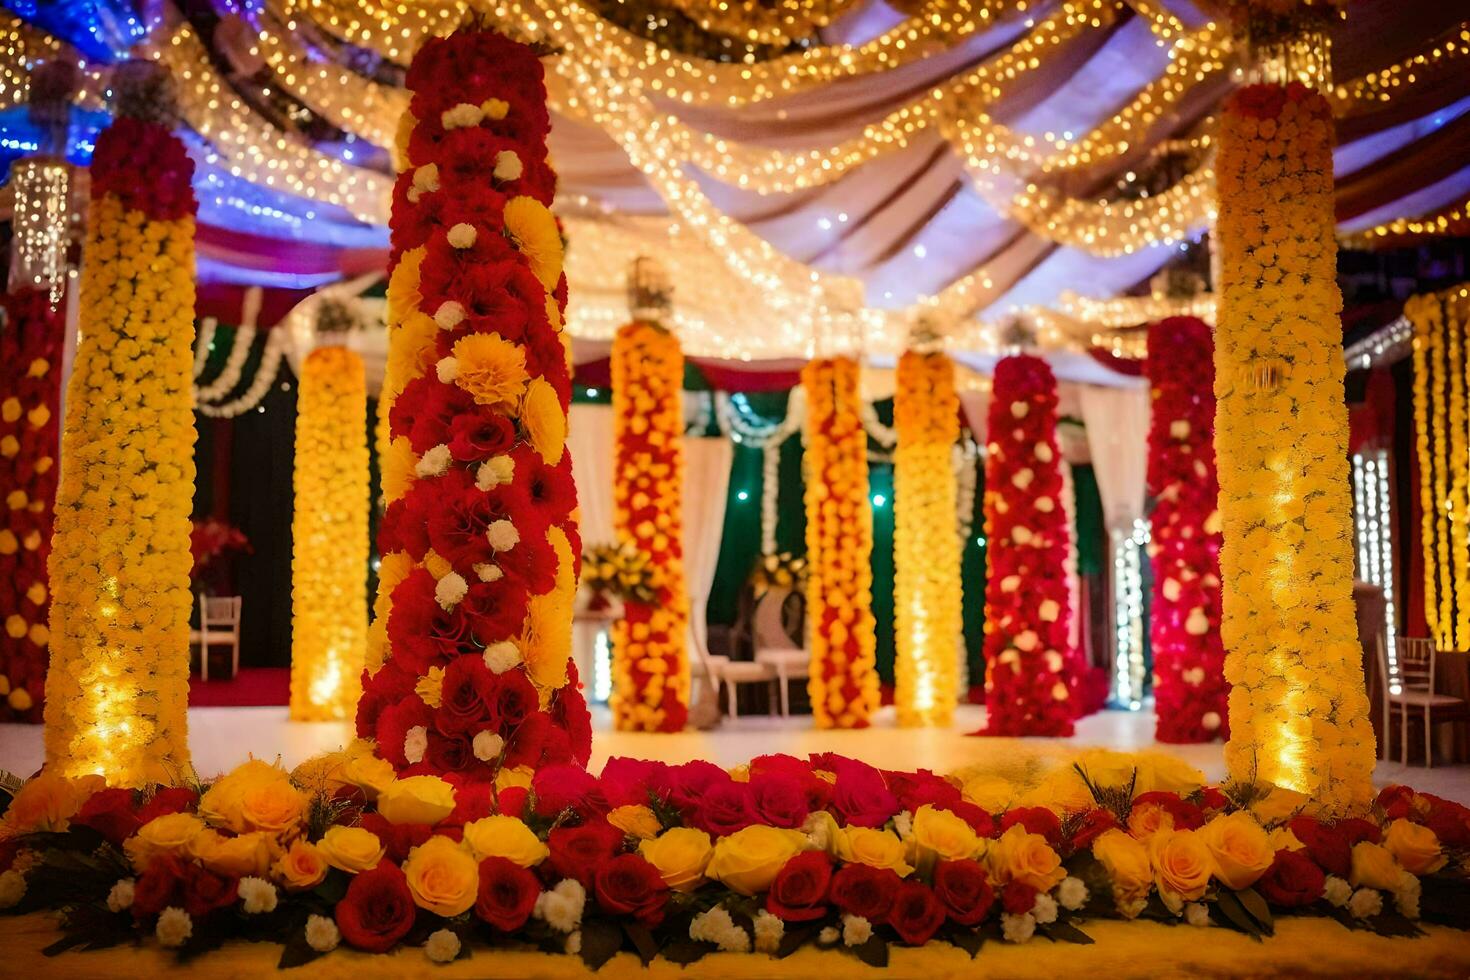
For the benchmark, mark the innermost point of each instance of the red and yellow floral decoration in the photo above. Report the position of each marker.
(480, 548)
(650, 665)
(1190, 692)
(30, 393)
(1031, 683)
(839, 547)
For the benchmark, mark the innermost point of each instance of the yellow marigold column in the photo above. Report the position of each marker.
(117, 689)
(839, 544)
(329, 537)
(925, 540)
(1298, 711)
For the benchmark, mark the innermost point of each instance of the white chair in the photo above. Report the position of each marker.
(737, 672)
(774, 646)
(219, 624)
(1415, 681)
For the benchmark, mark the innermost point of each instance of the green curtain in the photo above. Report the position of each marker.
(972, 583)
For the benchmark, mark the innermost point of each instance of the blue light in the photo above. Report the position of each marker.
(591, 392)
(742, 495)
(879, 500)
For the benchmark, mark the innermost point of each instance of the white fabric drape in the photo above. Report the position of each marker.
(590, 438)
(1117, 437)
(706, 484)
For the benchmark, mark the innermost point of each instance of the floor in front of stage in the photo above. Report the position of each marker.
(220, 738)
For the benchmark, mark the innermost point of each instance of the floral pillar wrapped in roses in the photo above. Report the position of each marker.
(117, 689)
(1031, 678)
(472, 679)
(1184, 619)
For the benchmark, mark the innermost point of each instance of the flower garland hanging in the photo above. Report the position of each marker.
(1298, 710)
(329, 537)
(1441, 348)
(650, 660)
(479, 543)
(119, 566)
(1190, 692)
(1030, 680)
(30, 386)
(839, 546)
(926, 549)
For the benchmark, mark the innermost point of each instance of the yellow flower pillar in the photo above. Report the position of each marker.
(117, 690)
(1298, 711)
(329, 537)
(839, 544)
(925, 541)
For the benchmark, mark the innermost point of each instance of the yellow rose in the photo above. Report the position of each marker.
(1415, 848)
(301, 867)
(47, 803)
(276, 806)
(369, 774)
(1374, 867)
(1182, 863)
(1241, 849)
(417, 799)
(1158, 772)
(503, 836)
(940, 834)
(169, 834)
(351, 849)
(247, 854)
(1106, 768)
(1279, 805)
(636, 820)
(1062, 791)
(1148, 819)
(1025, 857)
(990, 793)
(223, 803)
(680, 855)
(1127, 863)
(442, 876)
(1282, 839)
(749, 859)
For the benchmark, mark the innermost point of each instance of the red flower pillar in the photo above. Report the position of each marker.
(480, 546)
(1184, 622)
(1031, 678)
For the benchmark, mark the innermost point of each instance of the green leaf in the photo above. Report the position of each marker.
(1394, 924)
(1062, 931)
(874, 952)
(966, 939)
(1234, 915)
(1258, 909)
(794, 939)
(686, 951)
(642, 940)
(601, 941)
(297, 952)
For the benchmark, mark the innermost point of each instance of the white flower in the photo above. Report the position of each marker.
(1043, 452)
(768, 932)
(1017, 928)
(561, 907)
(322, 934)
(447, 369)
(1022, 478)
(507, 165)
(1049, 610)
(1054, 662)
(462, 235)
(1194, 676)
(416, 743)
(1010, 583)
(487, 572)
(856, 930)
(1210, 721)
(716, 926)
(257, 895)
(1059, 692)
(449, 315)
(502, 656)
(1021, 535)
(574, 943)
(174, 927)
(502, 535)
(1132, 908)
(817, 831)
(495, 471)
(461, 116)
(487, 746)
(1072, 893)
(1172, 589)
(1179, 428)
(426, 178)
(828, 936)
(1044, 910)
(1336, 891)
(903, 824)
(1197, 914)
(434, 461)
(13, 889)
(450, 590)
(443, 946)
(1365, 903)
(1406, 895)
(1046, 504)
(1197, 623)
(1026, 641)
(121, 896)
(1020, 410)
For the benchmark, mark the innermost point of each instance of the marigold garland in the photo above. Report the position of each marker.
(329, 537)
(1031, 680)
(650, 659)
(117, 689)
(1441, 377)
(926, 548)
(479, 543)
(839, 545)
(30, 386)
(1190, 692)
(1298, 711)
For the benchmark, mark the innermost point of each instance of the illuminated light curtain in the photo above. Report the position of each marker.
(480, 543)
(1190, 692)
(117, 690)
(329, 537)
(839, 546)
(1031, 676)
(650, 641)
(1442, 430)
(926, 541)
(1298, 710)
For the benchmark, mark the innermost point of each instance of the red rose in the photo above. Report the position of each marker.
(688, 783)
(860, 796)
(1091, 827)
(205, 891)
(1293, 880)
(862, 890)
(511, 801)
(575, 851)
(629, 885)
(630, 782)
(569, 711)
(963, 888)
(1018, 898)
(779, 800)
(1328, 846)
(394, 723)
(468, 699)
(474, 436)
(980, 821)
(1449, 820)
(799, 891)
(515, 697)
(1396, 801)
(1186, 815)
(398, 838)
(726, 808)
(1036, 820)
(110, 812)
(508, 893)
(452, 753)
(1356, 830)
(160, 885)
(550, 490)
(916, 914)
(915, 789)
(567, 787)
(377, 910)
(1211, 798)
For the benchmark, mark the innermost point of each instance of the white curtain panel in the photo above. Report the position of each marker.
(706, 484)
(1117, 437)
(590, 437)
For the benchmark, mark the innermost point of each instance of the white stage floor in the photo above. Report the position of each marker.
(221, 737)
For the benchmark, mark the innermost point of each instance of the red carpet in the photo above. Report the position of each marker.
(254, 686)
